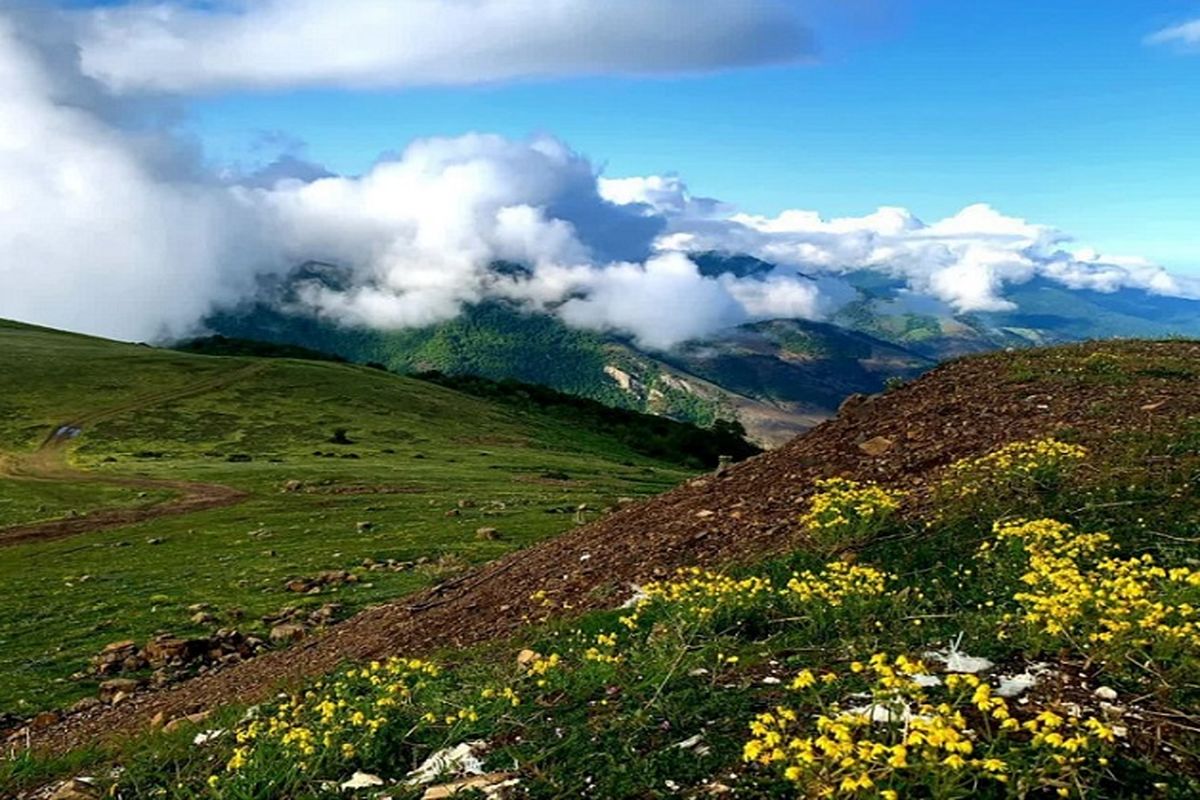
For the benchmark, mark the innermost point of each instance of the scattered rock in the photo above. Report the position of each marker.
(190, 719)
(110, 689)
(852, 403)
(86, 704)
(44, 720)
(487, 534)
(287, 632)
(1106, 693)
(363, 526)
(877, 446)
(203, 618)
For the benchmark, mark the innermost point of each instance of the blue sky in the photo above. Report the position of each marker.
(1058, 112)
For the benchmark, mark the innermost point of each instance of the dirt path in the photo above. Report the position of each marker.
(958, 410)
(49, 463)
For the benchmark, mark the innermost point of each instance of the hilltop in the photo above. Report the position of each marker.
(146, 490)
(1097, 437)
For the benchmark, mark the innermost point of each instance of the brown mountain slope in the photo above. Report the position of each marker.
(960, 409)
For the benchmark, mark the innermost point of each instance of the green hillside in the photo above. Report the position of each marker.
(994, 596)
(777, 379)
(286, 468)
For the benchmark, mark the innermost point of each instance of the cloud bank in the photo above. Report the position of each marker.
(965, 260)
(178, 46)
(111, 224)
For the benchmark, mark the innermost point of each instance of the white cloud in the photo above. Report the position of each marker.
(179, 46)
(100, 233)
(91, 236)
(965, 260)
(126, 234)
(1185, 34)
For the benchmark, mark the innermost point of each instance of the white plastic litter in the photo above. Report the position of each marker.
(362, 780)
(459, 761)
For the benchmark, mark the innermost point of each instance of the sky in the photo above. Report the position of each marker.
(1060, 112)
(159, 160)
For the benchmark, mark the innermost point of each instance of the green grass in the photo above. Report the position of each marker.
(23, 501)
(418, 450)
(615, 730)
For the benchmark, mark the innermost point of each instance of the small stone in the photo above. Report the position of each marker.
(364, 526)
(86, 704)
(877, 446)
(202, 618)
(1106, 693)
(527, 657)
(487, 534)
(190, 719)
(286, 633)
(705, 514)
(110, 689)
(44, 720)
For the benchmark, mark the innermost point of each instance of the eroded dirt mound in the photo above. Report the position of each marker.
(961, 409)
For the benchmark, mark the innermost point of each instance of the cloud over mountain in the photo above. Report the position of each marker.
(178, 46)
(965, 260)
(112, 223)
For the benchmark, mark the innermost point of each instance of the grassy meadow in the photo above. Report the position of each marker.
(422, 470)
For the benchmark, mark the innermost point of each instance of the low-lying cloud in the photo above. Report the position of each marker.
(178, 46)
(112, 224)
(965, 260)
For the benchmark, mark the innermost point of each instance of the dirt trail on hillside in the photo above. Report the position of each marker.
(961, 409)
(49, 463)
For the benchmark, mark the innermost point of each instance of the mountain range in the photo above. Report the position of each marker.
(777, 377)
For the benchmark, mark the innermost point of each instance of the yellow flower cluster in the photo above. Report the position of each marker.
(837, 582)
(1078, 591)
(1017, 463)
(845, 512)
(701, 592)
(340, 716)
(904, 738)
(604, 651)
